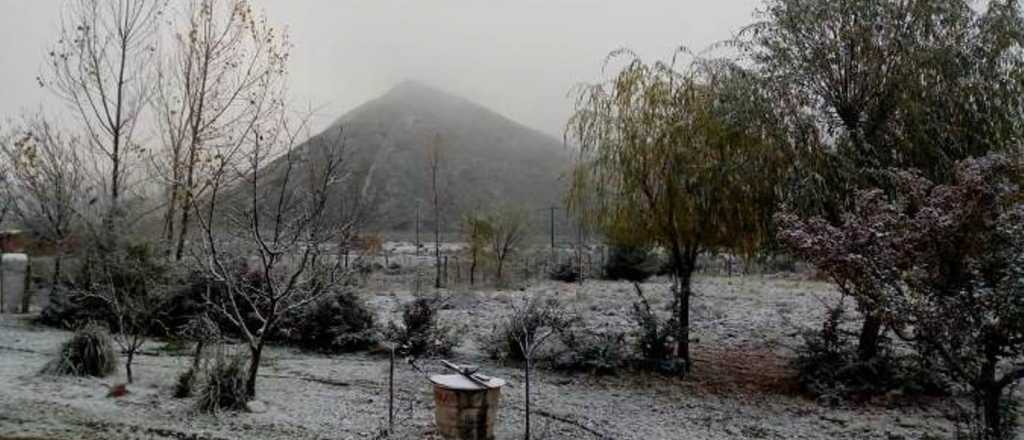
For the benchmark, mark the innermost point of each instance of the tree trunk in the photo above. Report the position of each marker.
(685, 263)
(991, 395)
(57, 260)
(128, 365)
(501, 263)
(172, 210)
(115, 188)
(870, 334)
(526, 431)
(254, 367)
(183, 233)
(683, 293)
(437, 261)
(472, 270)
(993, 414)
(391, 392)
(197, 356)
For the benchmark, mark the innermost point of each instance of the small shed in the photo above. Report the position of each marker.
(13, 241)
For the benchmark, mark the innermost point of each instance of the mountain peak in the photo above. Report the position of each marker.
(490, 159)
(411, 85)
(417, 93)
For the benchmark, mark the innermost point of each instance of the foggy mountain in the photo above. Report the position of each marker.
(487, 160)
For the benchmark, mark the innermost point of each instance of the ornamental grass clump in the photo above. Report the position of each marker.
(90, 352)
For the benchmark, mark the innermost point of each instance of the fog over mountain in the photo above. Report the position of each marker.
(487, 160)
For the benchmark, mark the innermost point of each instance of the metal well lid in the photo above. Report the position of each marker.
(459, 382)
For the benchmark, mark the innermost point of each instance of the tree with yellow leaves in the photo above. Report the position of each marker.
(679, 158)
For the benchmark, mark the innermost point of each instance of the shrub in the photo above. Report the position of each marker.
(129, 269)
(631, 263)
(566, 272)
(593, 352)
(654, 337)
(824, 353)
(188, 301)
(829, 368)
(224, 385)
(502, 343)
(337, 323)
(420, 332)
(916, 374)
(185, 384)
(90, 352)
(69, 309)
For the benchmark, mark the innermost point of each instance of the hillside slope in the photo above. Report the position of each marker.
(488, 160)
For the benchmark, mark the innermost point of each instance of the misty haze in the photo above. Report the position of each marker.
(477, 220)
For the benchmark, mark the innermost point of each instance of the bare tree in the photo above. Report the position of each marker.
(102, 66)
(46, 183)
(477, 232)
(508, 230)
(275, 242)
(224, 54)
(532, 324)
(435, 159)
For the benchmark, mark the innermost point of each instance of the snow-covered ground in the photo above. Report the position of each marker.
(742, 385)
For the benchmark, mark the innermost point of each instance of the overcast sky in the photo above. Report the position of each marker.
(518, 57)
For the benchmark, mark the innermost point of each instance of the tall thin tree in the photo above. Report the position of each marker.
(102, 66)
(224, 55)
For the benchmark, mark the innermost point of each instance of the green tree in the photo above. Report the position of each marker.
(675, 157)
(877, 84)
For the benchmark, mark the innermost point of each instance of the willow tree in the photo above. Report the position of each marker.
(674, 157)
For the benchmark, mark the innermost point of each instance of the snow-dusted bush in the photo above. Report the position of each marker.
(421, 333)
(631, 263)
(67, 309)
(592, 351)
(89, 352)
(943, 265)
(338, 323)
(566, 272)
(523, 323)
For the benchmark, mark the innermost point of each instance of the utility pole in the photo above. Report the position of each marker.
(552, 228)
(417, 229)
(552, 260)
(579, 249)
